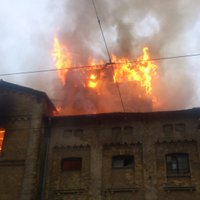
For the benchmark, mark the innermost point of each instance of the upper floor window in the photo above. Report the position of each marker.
(128, 129)
(71, 164)
(177, 164)
(180, 128)
(116, 130)
(168, 129)
(2, 134)
(122, 161)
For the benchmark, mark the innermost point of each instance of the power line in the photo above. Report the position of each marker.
(102, 33)
(109, 57)
(98, 66)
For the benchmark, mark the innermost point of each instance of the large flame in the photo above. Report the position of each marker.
(2, 134)
(122, 71)
(141, 70)
(62, 58)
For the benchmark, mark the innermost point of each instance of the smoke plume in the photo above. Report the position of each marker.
(168, 28)
(128, 26)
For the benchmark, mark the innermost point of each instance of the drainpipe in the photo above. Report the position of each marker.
(45, 161)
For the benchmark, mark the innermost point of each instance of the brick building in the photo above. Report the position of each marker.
(144, 156)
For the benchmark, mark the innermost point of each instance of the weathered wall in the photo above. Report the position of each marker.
(145, 136)
(21, 116)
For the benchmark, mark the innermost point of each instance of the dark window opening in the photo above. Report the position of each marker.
(2, 135)
(180, 128)
(71, 164)
(67, 133)
(168, 129)
(177, 163)
(128, 129)
(116, 130)
(122, 161)
(78, 132)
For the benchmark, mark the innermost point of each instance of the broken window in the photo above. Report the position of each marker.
(2, 134)
(71, 164)
(122, 161)
(177, 163)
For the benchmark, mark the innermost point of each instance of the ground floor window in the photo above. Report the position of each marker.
(122, 161)
(177, 163)
(71, 164)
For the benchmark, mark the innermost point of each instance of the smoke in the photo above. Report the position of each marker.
(129, 25)
(168, 28)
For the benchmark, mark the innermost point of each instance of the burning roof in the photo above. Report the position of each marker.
(99, 87)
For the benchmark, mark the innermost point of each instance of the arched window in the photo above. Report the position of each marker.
(177, 163)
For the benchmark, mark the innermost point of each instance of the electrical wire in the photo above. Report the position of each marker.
(109, 57)
(97, 66)
(102, 33)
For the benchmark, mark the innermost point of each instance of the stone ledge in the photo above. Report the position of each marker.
(179, 188)
(5, 163)
(117, 190)
(70, 191)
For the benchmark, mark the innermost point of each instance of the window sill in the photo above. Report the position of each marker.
(179, 175)
(179, 188)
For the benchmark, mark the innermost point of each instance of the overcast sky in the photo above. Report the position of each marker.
(169, 28)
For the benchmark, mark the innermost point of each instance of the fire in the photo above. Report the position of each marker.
(92, 83)
(140, 71)
(2, 134)
(135, 79)
(62, 58)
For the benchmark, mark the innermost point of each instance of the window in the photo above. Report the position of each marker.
(2, 134)
(78, 132)
(122, 161)
(180, 128)
(128, 129)
(71, 164)
(177, 163)
(168, 129)
(67, 133)
(116, 130)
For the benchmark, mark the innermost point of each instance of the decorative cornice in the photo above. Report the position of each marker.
(82, 146)
(175, 141)
(120, 144)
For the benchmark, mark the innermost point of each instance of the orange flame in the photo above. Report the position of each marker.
(62, 58)
(92, 83)
(2, 134)
(142, 71)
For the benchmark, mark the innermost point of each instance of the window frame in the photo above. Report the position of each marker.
(176, 159)
(75, 162)
(123, 158)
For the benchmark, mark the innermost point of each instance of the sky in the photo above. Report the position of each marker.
(168, 28)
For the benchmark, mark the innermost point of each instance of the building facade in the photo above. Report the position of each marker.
(113, 156)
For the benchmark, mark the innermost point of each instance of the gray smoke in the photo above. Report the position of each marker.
(168, 28)
(129, 25)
